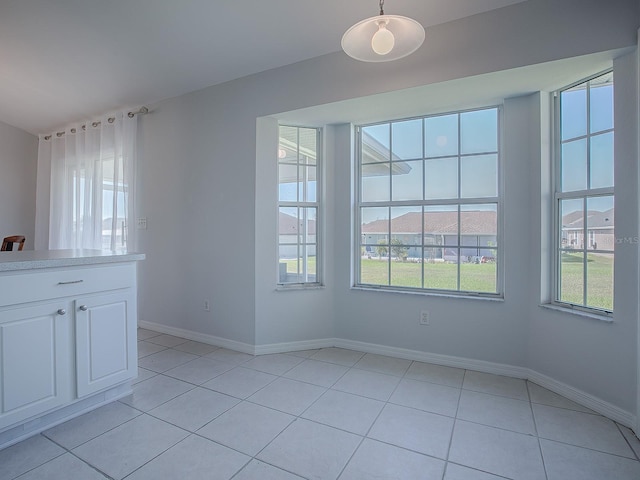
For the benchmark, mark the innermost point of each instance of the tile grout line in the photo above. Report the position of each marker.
(635, 454)
(453, 428)
(535, 426)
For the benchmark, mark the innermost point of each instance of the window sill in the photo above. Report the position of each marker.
(299, 286)
(580, 313)
(465, 295)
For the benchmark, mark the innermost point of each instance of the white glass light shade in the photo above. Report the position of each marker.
(383, 40)
(407, 36)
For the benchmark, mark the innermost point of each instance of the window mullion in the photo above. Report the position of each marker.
(585, 249)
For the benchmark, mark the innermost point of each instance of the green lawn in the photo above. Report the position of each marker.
(599, 280)
(473, 277)
(482, 277)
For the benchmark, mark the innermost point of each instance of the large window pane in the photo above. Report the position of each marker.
(601, 97)
(441, 225)
(376, 144)
(479, 176)
(572, 277)
(600, 281)
(375, 270)
(441, 178)
(405, 273)
(479, 131)
(308, 218)
(308, 146)
(406, 140)
(374, 230)
(287, 182)
(407, 180)
(375, 182)
(406, 229)
(441, 136)
(574, 112)
(288, 148)
(441, 268)
(308, 183)
(476, 276)
(600, 223)
(572, 224)
(288, 225)
(574, 165)
(289, 264)
(601, 174)
(477, 224)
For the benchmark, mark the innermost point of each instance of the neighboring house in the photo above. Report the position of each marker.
(477, 230)
(288, 229)
(600, 230)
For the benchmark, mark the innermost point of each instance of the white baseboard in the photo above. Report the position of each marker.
(590, 401)
(445, 360)
(199, 337)
(585, 399)
(294, 346)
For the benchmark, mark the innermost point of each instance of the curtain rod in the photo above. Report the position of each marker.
(141, 111)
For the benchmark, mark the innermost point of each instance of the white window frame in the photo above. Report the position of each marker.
(498, 201)
(318, 204)
(583, 195)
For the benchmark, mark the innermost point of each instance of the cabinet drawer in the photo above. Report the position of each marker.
(56, 283)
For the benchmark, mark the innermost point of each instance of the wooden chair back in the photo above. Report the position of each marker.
(7, 243)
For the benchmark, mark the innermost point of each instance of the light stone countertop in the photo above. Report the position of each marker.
(37, 259)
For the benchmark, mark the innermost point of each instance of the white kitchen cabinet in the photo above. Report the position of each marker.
(68, 336)
(34, 366)
(106, 352)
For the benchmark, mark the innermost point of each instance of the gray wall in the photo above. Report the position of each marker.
(18, 160)
(208, 191)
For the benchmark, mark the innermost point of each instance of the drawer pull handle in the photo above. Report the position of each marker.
(83, 308)
(61, 311)
(71, 282)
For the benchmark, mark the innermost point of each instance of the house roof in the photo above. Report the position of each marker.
(595, 220)
(479, 222)
(288, 225)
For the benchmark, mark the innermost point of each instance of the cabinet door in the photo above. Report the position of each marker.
(34, 360)
(106, 348)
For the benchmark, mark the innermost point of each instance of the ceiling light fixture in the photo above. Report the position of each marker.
(383, 38)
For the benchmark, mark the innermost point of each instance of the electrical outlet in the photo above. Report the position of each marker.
(424, 317)
(207, 306)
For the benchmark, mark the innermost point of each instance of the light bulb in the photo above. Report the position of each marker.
(383, 40)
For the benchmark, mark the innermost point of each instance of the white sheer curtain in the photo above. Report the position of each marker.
(92, 182)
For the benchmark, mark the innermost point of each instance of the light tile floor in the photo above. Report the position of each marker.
(202, 412)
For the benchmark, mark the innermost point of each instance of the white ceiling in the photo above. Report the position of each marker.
(68, 60)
